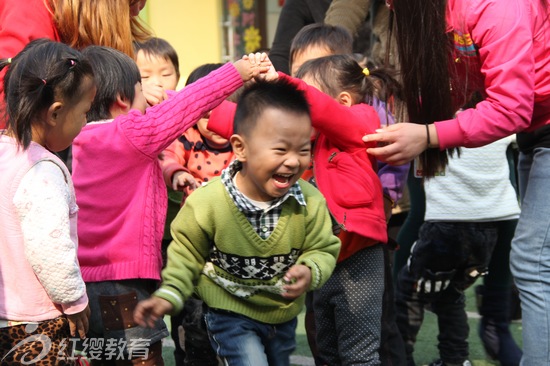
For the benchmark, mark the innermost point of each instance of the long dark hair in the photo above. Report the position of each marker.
(423, 47)
(43, 72)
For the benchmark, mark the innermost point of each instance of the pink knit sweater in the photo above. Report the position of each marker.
(119, 185)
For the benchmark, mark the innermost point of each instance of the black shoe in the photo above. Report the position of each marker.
(499, 343)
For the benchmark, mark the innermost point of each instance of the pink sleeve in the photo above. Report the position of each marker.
(161, 124)
(502, 31)
(221, 119)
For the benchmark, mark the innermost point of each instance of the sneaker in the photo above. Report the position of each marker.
(441, 363)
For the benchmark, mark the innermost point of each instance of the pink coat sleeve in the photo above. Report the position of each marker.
(503, 34)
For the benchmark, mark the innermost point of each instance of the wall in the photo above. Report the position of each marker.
(192, 27)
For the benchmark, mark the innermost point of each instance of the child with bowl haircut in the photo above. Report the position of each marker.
(253, 241)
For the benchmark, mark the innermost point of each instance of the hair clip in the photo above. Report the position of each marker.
(366, 71)
(9, 60)
(44, 81)
(72, 63)
(389, 4)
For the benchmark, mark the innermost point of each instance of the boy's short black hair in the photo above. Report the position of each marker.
(263, 95)
(160, 48)
(115, 74)
(335, 38)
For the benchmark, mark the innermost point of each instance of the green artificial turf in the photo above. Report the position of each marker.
(425, 349)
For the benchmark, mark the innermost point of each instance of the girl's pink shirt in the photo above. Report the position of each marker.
(511, 38)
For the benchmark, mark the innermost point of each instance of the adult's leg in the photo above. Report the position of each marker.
(530, 256)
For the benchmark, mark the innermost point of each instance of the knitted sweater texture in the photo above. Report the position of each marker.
(119, 185)
(217, 253)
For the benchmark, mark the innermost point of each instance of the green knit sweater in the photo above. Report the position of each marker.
(217, 253)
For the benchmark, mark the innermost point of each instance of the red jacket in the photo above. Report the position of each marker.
(343, 171)
(20, 23)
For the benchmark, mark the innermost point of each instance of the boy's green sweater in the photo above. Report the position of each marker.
(217, 253)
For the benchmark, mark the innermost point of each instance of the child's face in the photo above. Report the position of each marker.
(214, 140)
(274, 154)
(157, 71)
(67, 121)
(308, 53)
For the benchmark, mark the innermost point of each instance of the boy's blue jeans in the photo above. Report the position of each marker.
(530, 256)
(241, 341)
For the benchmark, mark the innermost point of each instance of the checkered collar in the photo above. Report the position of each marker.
(243, 203)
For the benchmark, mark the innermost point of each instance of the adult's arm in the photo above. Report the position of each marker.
(349, 14)
(295, 15)
(503, 32)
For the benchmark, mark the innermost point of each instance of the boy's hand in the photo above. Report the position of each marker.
(298, 279)
(252, 65)
(182, 179)
(148, 311)
(79, 322)
(154, 94)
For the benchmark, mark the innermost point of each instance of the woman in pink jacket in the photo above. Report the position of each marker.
(498, 48)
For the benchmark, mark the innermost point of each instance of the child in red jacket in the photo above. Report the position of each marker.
(348, 309)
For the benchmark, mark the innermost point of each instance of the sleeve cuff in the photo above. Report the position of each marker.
(172, 296)
(449, 134)
(75, 306)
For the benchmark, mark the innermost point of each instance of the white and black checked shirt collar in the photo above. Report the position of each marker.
(263, 221)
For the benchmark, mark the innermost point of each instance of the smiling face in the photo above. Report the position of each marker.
(67, 120)
(157, 71)
(274, 154)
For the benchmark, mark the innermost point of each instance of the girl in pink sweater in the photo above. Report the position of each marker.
(49, 88)
(121, 192)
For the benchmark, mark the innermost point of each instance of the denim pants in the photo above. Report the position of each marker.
(530, 256)
(242, 341)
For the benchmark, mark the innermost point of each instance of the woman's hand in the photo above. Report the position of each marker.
(400, 143)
